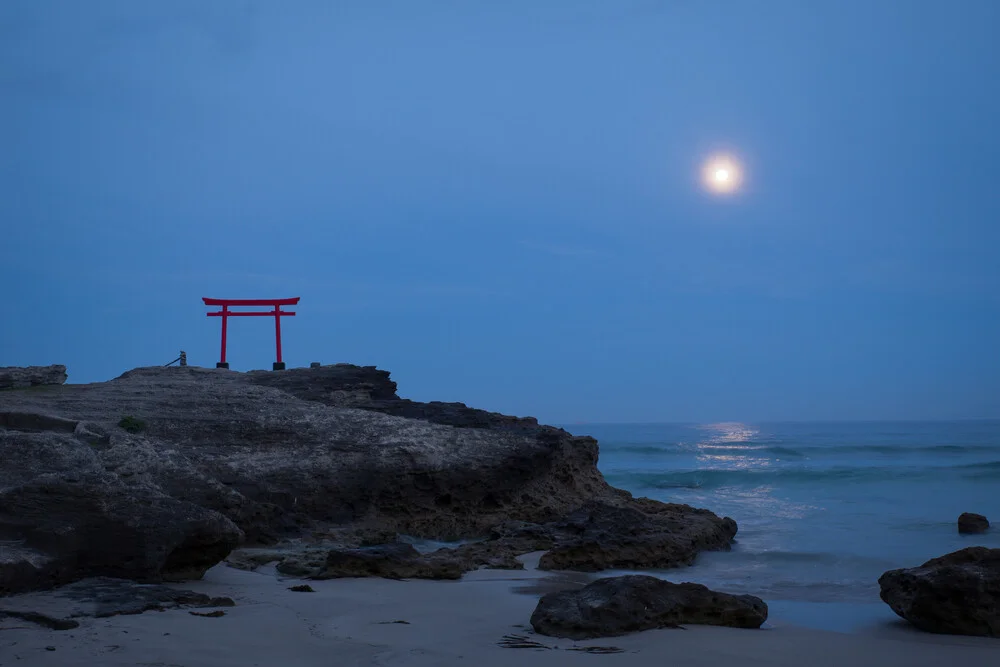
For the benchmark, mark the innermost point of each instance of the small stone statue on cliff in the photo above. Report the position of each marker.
(183, 359)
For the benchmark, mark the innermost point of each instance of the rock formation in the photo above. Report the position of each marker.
(330, 457)
(20, 377)
(972, 524)
(955, 594)
(616, 606)
(644, 533)
(395, 561)
(100, 598)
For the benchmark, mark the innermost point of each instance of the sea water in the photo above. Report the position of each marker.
(823, 508)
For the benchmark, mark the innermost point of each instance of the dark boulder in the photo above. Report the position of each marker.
(972, 524)
(616, 606)
(955, 594)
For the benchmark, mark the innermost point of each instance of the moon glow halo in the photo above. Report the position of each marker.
(721, 175)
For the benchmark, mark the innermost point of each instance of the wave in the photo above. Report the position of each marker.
(714, 478)
(912, 449)
(737, 559)
(801, 451)
(687, 450)
(784, 575)
(989, 470)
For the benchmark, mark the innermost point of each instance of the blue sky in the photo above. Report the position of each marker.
(499, 202)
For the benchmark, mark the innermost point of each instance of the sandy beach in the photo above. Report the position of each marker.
(359, 622)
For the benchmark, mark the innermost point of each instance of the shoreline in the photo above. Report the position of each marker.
(209, 465)
(355, 622)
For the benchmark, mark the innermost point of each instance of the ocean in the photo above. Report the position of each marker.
(823, 508)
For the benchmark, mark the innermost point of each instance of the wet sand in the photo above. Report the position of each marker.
(433, 623)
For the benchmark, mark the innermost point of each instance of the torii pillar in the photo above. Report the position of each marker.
(277, 313)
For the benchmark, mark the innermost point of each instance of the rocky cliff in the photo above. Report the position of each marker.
(161, 472)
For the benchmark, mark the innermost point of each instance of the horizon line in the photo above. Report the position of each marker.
(777, 421)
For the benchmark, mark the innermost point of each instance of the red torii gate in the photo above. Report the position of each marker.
(277, 313)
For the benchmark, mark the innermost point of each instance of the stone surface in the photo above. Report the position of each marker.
(644, 534)
(394, 561)
(492, 554)
(972, 524)
(303, 563)
(20, 377)
(253, 558)
(61, 518)
(955, 594)
(330, 454)
(101, 597)
(366, 387)
(616, 606)
(594, 537)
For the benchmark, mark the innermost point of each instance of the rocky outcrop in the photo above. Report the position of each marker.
(595, 537)
(505, 543)
(972, 524)
(328, 454)
(62, 517)
(20, 377)
(616, 606)
(394, 561)
(101, 598)
(397, 560)
(955, 594)
(600, 535)
(366, 387)
(338, 385)
(643, 534)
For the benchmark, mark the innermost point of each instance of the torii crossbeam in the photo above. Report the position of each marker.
(277, 313)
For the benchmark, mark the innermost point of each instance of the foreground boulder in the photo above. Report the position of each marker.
(955, 594)
(20, 377)
(162, 471)
(972, 524)
(620, 605)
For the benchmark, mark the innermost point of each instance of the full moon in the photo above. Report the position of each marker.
(722, 175)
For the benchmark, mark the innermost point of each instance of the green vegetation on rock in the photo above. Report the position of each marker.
(132, 424)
